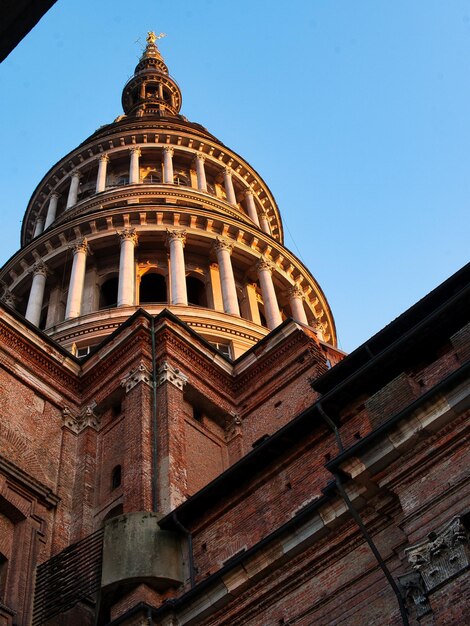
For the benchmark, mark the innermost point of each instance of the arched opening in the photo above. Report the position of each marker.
(152, 178)
(109, 293)
(196, 291)
(152, 288)
(116, 477)
(114, 512)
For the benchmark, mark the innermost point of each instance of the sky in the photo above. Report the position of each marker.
(356, 114)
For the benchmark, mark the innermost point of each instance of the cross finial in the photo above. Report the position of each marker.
(152, 37)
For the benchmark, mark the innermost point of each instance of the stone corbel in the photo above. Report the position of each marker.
(234, 427)
(77, 423)
(168, 373)
(414, 593)
(138, 375)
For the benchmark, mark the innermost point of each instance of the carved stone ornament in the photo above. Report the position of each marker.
(135, 150)
(320, 329)
(264, 265)
(7, 297)
(444, 554)
(104, 157)
(128, 234)
(85, 418)
(168, 373)
(77, 174)
(223, 244)
(228, 171)
(200, 156)
(79, 246)
(40, 268)
(296, 292)
(234, 427)
(173, 235)
(169, 150)
(138, 375)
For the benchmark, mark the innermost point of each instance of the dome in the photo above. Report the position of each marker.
(154, 212)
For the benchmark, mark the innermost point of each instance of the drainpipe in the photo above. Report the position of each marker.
(357, 518)
(190, 548)
(154, 420)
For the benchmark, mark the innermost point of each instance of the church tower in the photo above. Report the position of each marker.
(153, 211)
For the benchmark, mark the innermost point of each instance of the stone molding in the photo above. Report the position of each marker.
(168, 373)
(140, 374)
(86, 417)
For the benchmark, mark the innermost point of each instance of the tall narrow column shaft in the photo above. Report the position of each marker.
(73, 189)
(176, 240)
(228, 185)
(36, 295)
(168, 164)
(296, 298)
(264, 222)
(223, 250)
(51, 210)
(101, 177)
(251, 207)
(39, 226)
(271, 307)
(126, 282)
(201, 172)
(77, 279)
(134, 176)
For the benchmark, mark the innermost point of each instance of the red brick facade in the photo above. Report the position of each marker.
(241, 462)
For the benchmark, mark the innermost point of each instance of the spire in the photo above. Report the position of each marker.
(151, 91)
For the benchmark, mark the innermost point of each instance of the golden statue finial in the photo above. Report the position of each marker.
(152, 37)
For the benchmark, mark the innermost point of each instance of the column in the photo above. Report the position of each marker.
(251, 207)
(264, 222)
(73, 190)
(168, 165)
(223, 249)
(39, 226)
(271, 307)
(101, 178)
(51, 209)
(134, 176)
(36, 295)
(77, 279)
(228, 184)
(296, 299)
(176, 240)
(126, 288)
(201, 172)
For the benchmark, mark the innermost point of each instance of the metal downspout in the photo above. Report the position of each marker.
(190, 548)
(154, 424)
(357, 518)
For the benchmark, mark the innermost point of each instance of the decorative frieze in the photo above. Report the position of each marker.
(138, 375)
(168, 373)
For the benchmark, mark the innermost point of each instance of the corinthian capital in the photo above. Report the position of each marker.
(296, 292)
(104, 157)
(223, 244)
(175, 235)
(128, 234)
(264, 265)
(79, 246)
(135, 150)
(200, 156)
(228, 171)
(39, 268)
(76, 174)
(169, 150)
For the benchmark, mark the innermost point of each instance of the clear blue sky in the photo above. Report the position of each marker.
(355, 113)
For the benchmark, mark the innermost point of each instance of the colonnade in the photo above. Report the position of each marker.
(176, 240)
(256, 213)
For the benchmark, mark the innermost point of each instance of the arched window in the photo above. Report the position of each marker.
(152, 288)
(109, 293)
(152, 178)
(196, 291)
(116, 476)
